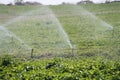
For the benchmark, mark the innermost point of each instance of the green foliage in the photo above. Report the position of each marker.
(61, 69)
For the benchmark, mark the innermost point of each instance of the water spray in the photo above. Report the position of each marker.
(13, 36)
(71, 47)
(60, 28)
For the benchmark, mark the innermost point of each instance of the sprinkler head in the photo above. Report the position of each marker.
(31, 50)
(23, 43)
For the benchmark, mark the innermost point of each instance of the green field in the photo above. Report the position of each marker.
(92, 29)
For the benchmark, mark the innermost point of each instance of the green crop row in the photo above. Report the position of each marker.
(59, 69)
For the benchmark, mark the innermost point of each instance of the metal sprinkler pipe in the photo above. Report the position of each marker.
(32, 53)
(112, 33)
(72, 50)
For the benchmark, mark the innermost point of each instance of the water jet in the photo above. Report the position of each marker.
(60, 28)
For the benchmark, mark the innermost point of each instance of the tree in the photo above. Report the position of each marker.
(18, 2)
(85, 2)
(107, 1)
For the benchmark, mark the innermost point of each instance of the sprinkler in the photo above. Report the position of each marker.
(12, 38)
(112, 33)
(72, 49)
(32, 53)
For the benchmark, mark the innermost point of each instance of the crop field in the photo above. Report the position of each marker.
(38, 29)
(60, 42)
(90, 29)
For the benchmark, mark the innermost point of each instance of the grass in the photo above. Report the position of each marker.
(82, 31)
(40, 31)
(87, 34)
(9, 12)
